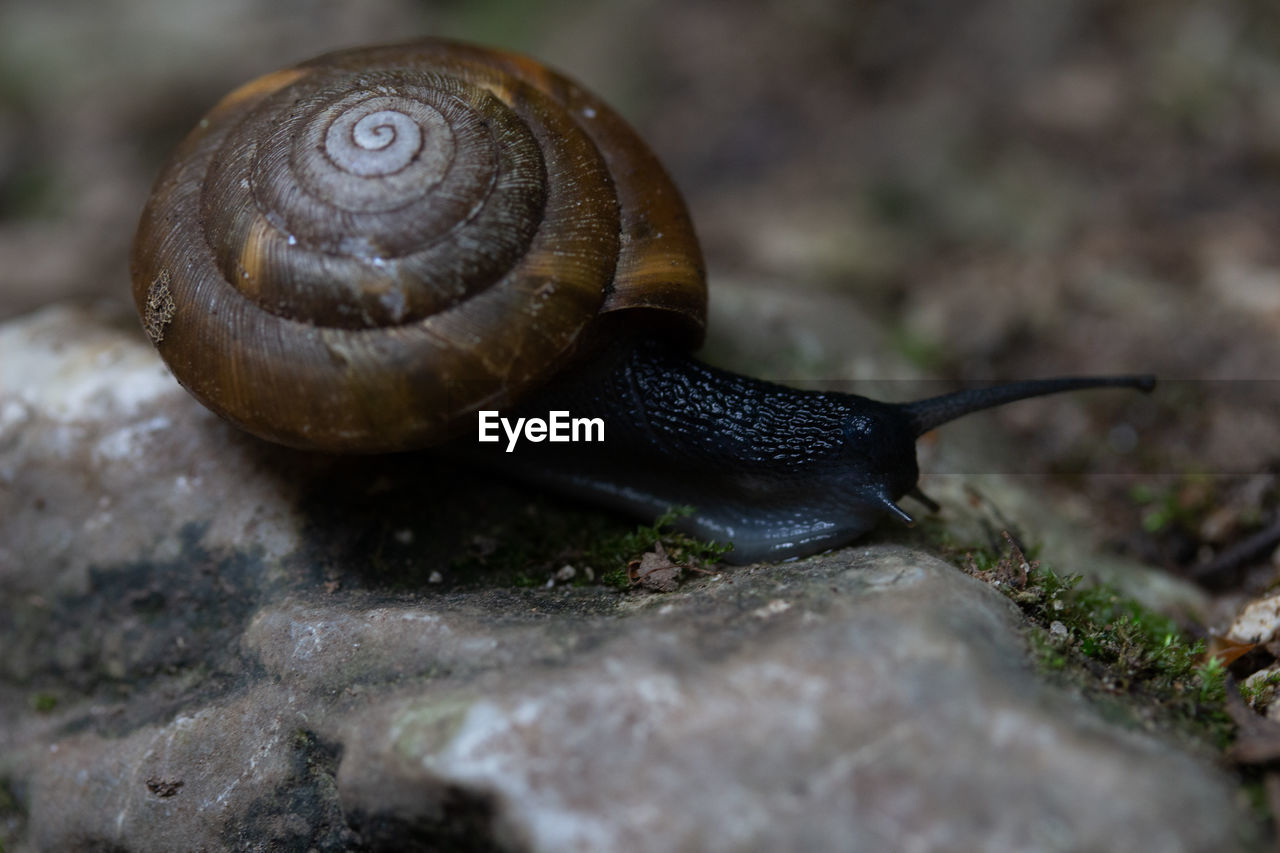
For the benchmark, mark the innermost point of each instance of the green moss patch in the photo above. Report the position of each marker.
(1133, 661)
(534, 547)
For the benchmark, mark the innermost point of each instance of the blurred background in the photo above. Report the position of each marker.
(885, 189)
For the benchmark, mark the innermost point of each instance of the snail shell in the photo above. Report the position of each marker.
(358, 252)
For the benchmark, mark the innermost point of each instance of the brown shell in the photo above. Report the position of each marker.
(358, 252)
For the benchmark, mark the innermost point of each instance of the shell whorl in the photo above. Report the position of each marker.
(378, 205)
(358, 252)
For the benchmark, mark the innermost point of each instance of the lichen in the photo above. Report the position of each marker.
(159, 309)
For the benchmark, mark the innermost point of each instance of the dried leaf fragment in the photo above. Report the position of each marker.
(655, 571)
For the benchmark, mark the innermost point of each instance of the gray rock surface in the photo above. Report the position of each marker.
(211, 644)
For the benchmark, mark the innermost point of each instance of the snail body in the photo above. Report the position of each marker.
(359, 253)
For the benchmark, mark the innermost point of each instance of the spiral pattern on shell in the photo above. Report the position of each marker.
(360, 251)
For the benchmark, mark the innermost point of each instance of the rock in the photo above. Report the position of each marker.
(1257, 622)
(212, 644)
(1262, 689)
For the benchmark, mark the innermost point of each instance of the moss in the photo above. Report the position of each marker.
(1251, 690)
(1137, 662)
(529, 548)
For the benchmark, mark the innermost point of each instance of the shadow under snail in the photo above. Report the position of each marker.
(360, 252)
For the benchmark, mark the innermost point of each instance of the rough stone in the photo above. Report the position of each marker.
(1257, 622)
(211, 644)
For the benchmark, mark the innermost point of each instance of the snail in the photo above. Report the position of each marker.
(363, 251)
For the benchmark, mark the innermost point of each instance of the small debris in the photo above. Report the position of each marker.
(773, 608)
(655, 571)
(435, 577)
(159, 309)
(566, 573)
(1012, 569)
(163, 788)
(1228, 651)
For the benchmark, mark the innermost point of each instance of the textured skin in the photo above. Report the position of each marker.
(777, 471)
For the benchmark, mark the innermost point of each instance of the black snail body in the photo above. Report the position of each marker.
(362, 252)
